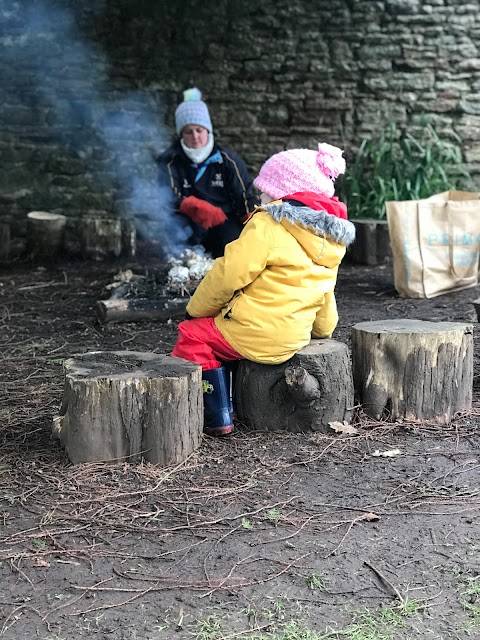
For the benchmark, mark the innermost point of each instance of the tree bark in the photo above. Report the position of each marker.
(372, 243)
(4, 240)
(138, 309)
(305, 393)
(106, 238)
(125, 405)
(413, 369)
(45, 232)
(476, 304)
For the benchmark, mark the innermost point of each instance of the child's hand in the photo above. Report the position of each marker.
(202, 212)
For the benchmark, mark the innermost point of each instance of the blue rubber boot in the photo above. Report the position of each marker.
(231, 374)
(216, 402)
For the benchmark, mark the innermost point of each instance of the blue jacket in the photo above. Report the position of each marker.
(222, 180)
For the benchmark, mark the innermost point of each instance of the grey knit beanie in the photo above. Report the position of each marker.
(192, 111)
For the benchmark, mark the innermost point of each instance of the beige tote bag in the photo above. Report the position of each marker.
(435, 243)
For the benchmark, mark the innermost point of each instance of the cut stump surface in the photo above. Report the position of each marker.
(45, 233)
(125, 405)
(413, 369)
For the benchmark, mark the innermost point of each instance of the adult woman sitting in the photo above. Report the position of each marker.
(211, 185)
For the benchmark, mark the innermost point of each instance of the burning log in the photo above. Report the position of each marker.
(125, 405)
(305, 393)
(137, 309)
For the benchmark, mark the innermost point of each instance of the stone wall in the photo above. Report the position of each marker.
(89, 89)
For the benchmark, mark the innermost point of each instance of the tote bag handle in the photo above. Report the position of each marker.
(469, 270)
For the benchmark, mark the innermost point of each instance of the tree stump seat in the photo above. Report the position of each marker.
(45, 232)
(413, 369)
(4, 240)
(372, 243)
(129, 405)
(304, 394)
(107, 238)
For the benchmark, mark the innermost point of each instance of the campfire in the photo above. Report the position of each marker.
(187, 271)
(160, 295)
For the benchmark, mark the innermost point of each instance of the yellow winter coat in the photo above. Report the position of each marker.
(274, 287)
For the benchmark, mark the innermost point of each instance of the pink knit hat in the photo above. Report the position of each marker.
(297, 170)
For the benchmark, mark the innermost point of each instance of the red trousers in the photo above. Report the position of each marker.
(200, 341)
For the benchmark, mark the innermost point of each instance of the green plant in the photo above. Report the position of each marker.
(470, 598)
(48, 517)
(365, 625)
(383, 623)
(289, 631)
(396, 165)
(38, 544)
(273, 515)
(316, 581)
(274, 612)
(208, 628)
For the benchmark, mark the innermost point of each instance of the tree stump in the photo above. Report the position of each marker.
(45, 233)
(413, 369)
(107, 238)
(125, 405)
(4, 240)
(476, 304)
(372, 243)
(305, 393)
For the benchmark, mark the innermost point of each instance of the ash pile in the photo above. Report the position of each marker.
(187, 271)
(162, 294)
(179, 276)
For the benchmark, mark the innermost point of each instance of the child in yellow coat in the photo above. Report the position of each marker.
(274, 288)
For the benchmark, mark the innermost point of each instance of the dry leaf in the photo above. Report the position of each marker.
(38, 562)
(371, 517)
(342, 427)
(391, 453)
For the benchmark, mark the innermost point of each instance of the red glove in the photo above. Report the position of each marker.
(202, 212)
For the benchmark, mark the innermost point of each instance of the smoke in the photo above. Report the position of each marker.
(116, 135)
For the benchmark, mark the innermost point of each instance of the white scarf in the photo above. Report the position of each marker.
(197, 156)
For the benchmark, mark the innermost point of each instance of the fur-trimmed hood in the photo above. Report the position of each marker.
(320, 223)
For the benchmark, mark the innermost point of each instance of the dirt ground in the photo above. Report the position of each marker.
(257, 536)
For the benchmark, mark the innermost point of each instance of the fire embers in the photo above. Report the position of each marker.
(187, 270)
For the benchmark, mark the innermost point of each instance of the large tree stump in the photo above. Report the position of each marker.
(107, 238)
(305, 393)
(45, 233)
(413, 369)
(125, 405)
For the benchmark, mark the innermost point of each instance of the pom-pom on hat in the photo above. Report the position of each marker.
(192, 111)
(298, 170)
